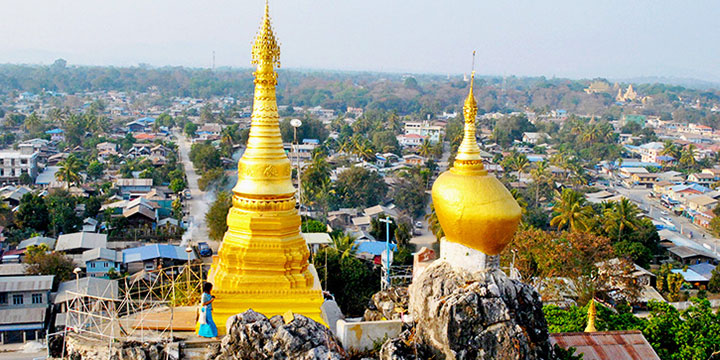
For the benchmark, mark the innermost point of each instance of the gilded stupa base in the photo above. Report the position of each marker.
(267, 302)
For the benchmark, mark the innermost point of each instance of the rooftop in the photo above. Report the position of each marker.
(603, 345)
(26, 283)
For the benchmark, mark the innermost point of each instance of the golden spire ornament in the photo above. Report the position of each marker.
(262, 263)
(474, 209)
(592, 314)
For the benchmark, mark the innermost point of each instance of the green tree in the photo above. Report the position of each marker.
(714, 284)
(43, 262)
(61, 211)
(32, 213)
(434, 224)
(359, 187)
(313, 226)
(204, 156)
(190, 129)
(69, 171)
(177, 185)
(620, 216)
(352, 281)
(216, 217)
(95, 169)
(571, 210)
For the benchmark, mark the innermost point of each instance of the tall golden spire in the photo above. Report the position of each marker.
(592, 314)
(468, 156)
(262, 262)
(473, 207)
(264, 169)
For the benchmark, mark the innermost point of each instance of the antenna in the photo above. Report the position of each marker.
(473, 62)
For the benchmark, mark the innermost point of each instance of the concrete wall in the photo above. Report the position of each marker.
(364, 334)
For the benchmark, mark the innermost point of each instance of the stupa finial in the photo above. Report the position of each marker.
(468, 155)
(266, 48)
(592, 314)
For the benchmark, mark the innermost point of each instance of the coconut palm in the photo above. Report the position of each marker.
(687, 155)
(425, 149)
(519, 163)
(434, 223)
(344, 244)
(619, 216)
(571, 211)
(670, 149)
(69, 171)
(540, 175)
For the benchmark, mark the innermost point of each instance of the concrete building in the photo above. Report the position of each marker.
(24, 302)
(424, 128)
(17, 162)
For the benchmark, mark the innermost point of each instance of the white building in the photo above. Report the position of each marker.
(16, 162)
(423, 128)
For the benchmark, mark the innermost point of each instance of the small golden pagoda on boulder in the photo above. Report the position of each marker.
(262, 262)
(477, 213)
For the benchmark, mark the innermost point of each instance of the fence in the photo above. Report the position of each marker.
(132, 315)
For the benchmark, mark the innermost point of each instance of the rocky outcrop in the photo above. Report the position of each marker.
(83, 348)
(481, 315)
(252, 336)
(388, 304)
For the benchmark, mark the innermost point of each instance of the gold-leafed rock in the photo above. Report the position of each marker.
(473, 207)
(262, 262)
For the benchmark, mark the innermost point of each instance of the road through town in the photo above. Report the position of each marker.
(652, 206)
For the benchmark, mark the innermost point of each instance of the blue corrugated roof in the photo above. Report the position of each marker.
(54, 131)
(689, 275)
(704, 269)
(155, 251)
(373, 247)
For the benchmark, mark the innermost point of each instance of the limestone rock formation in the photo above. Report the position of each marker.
(481, 315)
(388, 304)
(252, 336)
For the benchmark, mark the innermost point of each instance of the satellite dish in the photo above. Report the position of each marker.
(295, 122)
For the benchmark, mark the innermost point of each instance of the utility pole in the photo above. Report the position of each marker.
(387, 222)
(296, 123)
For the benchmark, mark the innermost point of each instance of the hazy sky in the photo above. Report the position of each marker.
(568, 38)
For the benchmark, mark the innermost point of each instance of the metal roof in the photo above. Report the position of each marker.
(26, 283)
(156, 251)
(603, 345)
(101, 254)
(317, 238)
(13, 269)
(689, 275)
(373, 247)
(92, 286)
(37, 240)
(22, 315)
(81, 240)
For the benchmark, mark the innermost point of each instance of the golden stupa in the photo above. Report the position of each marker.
(262, 262)
(473, 207)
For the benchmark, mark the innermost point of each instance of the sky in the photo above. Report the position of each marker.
(614, 39)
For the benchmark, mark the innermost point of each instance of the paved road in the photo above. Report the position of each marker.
(656, 211)
(426, 237)
(201, 200)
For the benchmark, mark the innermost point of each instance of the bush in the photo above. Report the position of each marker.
(351, 280)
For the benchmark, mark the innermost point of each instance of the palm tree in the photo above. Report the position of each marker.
(572, 211)
(519, 163)
(670, 149)
(519, 199)
(687, 155)
(344, 244)
(541, 174)
(434, 223)
(425, 149)
(620, 215)
(69, 171)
